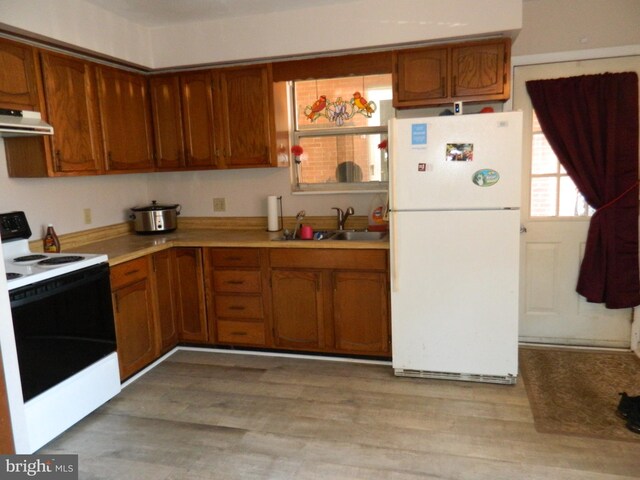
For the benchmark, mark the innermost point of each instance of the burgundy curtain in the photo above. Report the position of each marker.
(591, 122)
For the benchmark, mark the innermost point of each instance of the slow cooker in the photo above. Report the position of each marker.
(155, 218)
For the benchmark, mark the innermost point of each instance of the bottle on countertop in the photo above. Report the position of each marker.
(51, 241)
(377, 214)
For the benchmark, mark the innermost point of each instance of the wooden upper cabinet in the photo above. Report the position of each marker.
(480, 71)
(18, 85)
(167, 121)
(198, 119)
(72, 110)
(473, 72)
(126, 120)
(420, 75)
(245, 99)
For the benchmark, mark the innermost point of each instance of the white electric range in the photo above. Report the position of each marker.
(61, 334)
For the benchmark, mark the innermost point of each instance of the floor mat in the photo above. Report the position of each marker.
(575, 392)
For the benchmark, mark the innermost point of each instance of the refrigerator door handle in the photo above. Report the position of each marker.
(391, 195)
(395, 287)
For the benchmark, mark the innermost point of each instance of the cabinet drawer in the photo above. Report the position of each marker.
(236, 306)
(235, 257)
(241, 332)
(246, 281)
(130, 272)
(328, 258)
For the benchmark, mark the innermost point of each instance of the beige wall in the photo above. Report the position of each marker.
(571, 25)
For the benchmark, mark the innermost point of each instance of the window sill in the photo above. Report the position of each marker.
(336, 188)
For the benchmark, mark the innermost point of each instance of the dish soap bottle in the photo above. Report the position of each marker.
(377, 214)
(51, 241)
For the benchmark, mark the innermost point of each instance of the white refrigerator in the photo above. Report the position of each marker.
(454, 199)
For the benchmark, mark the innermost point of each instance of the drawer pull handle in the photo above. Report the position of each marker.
(131, 272)
(239, 334)
(235, 282)
(236, 307)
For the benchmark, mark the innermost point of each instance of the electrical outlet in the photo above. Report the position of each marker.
(219, 204)
(87, 216)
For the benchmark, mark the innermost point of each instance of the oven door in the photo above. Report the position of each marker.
(62, 325)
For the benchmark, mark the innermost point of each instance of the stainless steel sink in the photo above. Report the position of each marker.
(318, 235)
(360, 236)
(340, 235)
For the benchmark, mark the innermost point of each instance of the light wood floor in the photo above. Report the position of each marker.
(204, 415)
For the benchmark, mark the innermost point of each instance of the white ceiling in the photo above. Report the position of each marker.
(157, 13)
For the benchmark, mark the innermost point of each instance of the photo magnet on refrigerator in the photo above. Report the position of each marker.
(485, 177)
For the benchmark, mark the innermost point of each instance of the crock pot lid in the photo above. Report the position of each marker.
(154, 206)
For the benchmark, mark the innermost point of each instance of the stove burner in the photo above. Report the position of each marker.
(29, 258)
(61, 260)
(13, 275)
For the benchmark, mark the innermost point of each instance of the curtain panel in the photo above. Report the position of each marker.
(591, 123)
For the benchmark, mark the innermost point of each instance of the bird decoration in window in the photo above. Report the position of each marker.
(317, 107)
(361, 103)
(339, 111)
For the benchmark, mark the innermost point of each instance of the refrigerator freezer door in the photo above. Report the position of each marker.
(456, 162)
(454, 294)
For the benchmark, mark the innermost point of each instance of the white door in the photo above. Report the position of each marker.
(556, 229)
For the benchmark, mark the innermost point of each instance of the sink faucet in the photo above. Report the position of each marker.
(342, 216)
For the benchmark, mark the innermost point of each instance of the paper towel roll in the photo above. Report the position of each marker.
(273, 219)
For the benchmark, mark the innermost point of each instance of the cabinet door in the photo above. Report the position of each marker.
(166, 298)
(72, 109)
(248, 126)
(297, 309)
(479, 71)
(420, 77)
(135, 327)
(198, 118)
(192, 323)
(18, 87)
(167, 121)
(361, 316)
(126, 120)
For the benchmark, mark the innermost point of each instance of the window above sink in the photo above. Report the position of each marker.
(340, 133)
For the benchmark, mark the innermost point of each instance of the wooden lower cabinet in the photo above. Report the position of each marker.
(333, 301)
(190, 295)
(164, 274)
(361, 312)
(236, 298)
(6, 431)
(134, 313)
(298, 317)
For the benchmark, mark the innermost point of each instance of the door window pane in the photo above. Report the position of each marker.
(553, 193)
(543, 196)
(543, 160)
(572, 203)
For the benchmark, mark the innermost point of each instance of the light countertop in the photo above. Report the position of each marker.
(128, 247)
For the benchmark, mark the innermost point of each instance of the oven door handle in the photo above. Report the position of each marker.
(53, 286)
